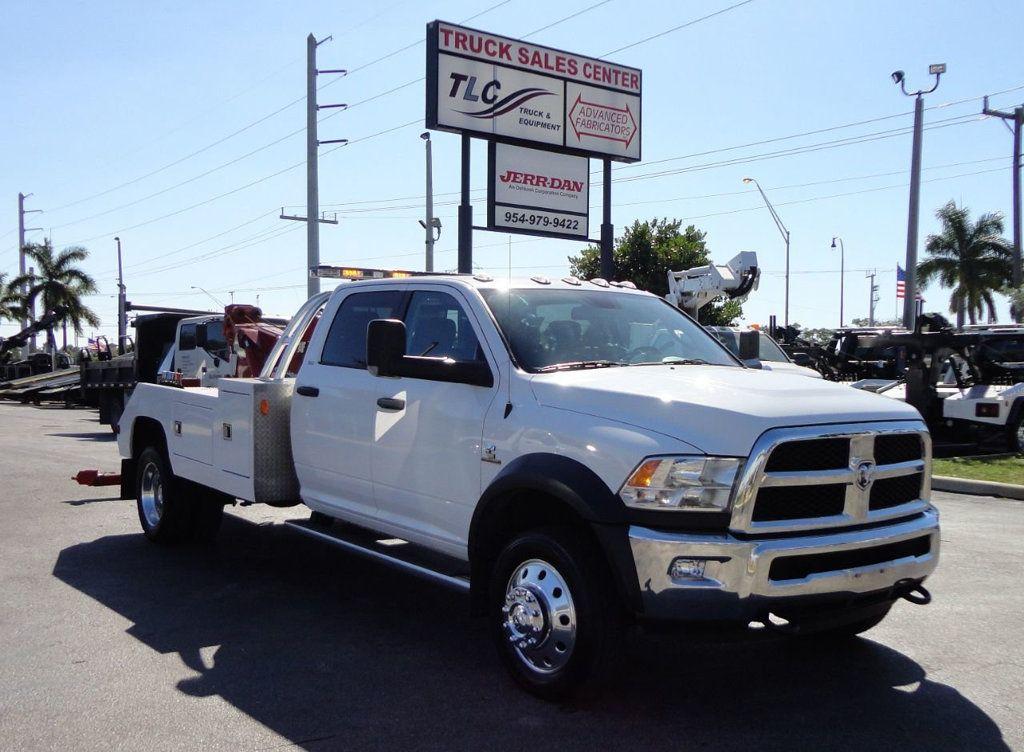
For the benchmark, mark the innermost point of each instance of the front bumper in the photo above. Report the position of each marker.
(738, 583)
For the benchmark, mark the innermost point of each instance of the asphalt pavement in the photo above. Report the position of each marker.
(268, 640)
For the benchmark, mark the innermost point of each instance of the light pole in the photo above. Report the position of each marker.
(430, 222)
(842, 274)
(873, 297)
(122, 306)
(208, 294)
(785, 236)
(910, 300)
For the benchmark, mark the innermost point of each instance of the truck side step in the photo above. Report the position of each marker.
(391, 551)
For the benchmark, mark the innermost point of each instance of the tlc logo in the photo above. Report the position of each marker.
(488, 94)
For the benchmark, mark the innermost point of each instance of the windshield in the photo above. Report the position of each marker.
(555, 328)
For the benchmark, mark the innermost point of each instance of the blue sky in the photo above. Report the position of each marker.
(156, 95)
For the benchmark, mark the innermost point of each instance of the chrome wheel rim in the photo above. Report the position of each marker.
(539, 616)
(151, 495)
(1020, 436)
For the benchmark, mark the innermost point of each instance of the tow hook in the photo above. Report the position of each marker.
(915, 593)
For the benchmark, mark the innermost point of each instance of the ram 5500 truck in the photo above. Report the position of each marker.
(578, 455)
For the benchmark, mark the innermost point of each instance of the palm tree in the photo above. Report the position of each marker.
(60, 284)
(10, 300)
(972, 259)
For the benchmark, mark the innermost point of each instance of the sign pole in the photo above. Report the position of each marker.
(465, 214)
(607, 228)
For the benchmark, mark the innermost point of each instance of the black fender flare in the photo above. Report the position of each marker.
(576, 486)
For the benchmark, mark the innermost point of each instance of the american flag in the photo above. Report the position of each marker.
(901, 284)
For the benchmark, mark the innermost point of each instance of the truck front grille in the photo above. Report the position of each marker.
(801, 502)
(798, 567)
(805, 479)
(812, 454)
(891, 492)
(899, 447)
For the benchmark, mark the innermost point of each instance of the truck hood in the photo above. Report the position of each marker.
(720, 410)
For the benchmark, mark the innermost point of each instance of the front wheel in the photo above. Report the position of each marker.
(1015, 434)
(556, 621)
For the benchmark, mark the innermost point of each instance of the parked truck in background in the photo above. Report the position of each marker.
(577, 455)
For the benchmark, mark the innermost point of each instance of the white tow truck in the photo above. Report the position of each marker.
(577, 455)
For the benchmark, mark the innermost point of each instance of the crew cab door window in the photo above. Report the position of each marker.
(346, 340)
(437, 326)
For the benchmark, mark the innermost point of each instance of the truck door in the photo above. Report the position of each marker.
(427, 455)
(213, 350)
(335, 404)
(185, 357)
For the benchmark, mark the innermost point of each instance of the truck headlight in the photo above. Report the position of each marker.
(682, 483)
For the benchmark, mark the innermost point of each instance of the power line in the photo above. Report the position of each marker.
(244, 128)
(681, 26)
(568, 18)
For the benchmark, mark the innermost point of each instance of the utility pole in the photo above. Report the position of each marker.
(607, 228)
(26, 315)
(430, 223)
(465, 241)
(313, 218)
(842, 274)
(1017, 116)
(872, 296)
(122, 306)
(785, 236)
(899, 77)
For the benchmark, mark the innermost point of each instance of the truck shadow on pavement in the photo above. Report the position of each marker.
(332, 651)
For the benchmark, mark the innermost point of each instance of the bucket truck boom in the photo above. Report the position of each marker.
(692, 289)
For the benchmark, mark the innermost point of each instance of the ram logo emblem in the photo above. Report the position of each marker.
(863, 474)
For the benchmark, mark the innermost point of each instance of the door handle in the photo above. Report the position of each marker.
(307, 391)
(391, 403)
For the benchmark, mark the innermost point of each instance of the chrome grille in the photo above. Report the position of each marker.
(833, 476)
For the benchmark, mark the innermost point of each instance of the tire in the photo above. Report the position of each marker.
(116, 411)
(1015, 434)
(171, 510)
(164, 513)
(555, 619)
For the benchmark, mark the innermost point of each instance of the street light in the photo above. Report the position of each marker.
(900, 78)
(431, 222)
(785, 236)
(122, 306)
(842, 273)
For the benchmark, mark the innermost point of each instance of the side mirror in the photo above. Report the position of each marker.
(750, 345)
(385, 356)
(385, 347)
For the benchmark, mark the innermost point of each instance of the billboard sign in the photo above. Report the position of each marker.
(536, 192)
(513, 91)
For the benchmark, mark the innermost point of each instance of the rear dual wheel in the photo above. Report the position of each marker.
(170, 510)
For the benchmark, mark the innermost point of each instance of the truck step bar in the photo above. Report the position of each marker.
(391, 551)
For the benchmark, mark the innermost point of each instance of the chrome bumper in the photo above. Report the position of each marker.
(736, 582)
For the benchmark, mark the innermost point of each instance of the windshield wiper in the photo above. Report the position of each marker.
(673, 361)
(578, 364)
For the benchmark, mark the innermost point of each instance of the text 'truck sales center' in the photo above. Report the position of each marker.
(501, 88)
